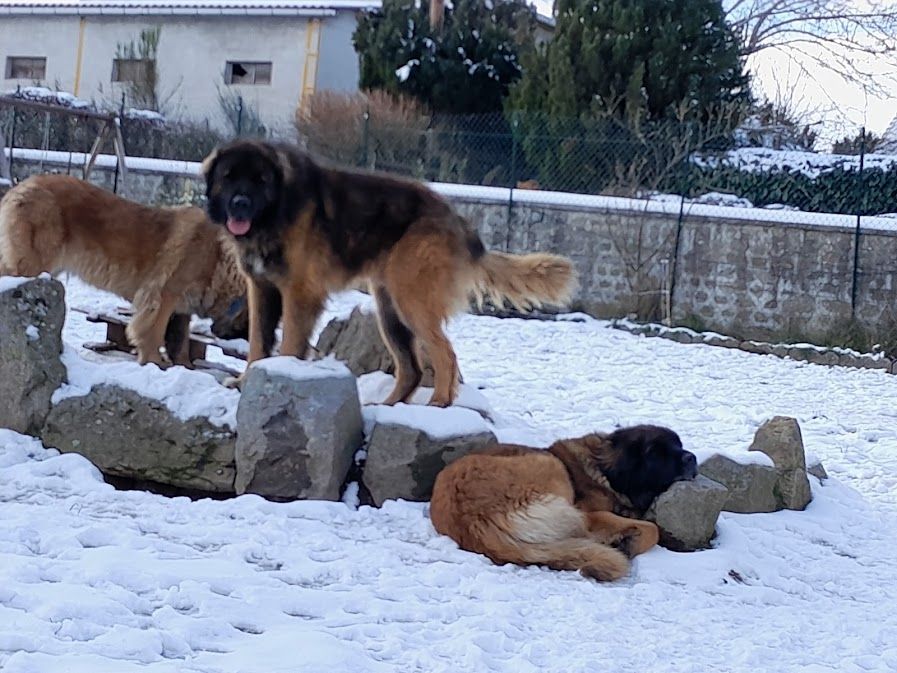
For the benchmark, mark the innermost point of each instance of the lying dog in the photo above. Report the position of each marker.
(571, 507)
(305, 230)
(169, 262)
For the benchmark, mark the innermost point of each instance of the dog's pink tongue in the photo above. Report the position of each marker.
(238, 227)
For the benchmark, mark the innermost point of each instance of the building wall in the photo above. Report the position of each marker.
(191, 59)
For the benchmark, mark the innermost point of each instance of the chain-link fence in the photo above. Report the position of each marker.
(703, 163)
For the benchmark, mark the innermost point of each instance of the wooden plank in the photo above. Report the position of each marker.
(25, 104)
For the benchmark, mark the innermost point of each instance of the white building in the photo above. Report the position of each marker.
(272, 53)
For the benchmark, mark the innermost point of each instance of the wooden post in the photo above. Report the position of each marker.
(5, 173)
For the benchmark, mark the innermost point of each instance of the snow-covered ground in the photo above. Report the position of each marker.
(94, 580)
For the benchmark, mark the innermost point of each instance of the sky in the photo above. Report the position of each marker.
(838, 107)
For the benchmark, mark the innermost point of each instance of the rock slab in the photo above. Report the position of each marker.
(751, 486)
(127, 435)
(356, 341)
(686, 513)
(403, 461)
(780, 439)
(31, 316)
(299, 426)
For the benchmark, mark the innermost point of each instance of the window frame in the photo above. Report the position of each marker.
(117, 69)
(252, 67)
(11, 64)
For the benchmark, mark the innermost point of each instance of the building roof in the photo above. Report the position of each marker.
(184, 7)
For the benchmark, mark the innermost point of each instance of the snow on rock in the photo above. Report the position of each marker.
(186, 393)
(436, 422)
(375, 387)
(303, 370)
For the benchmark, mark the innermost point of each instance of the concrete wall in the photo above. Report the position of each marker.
(192, 55)
(746, 278)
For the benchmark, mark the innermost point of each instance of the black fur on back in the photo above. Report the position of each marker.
(647, 460)
(361, 214)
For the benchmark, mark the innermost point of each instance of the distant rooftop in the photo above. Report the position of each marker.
(184, 7)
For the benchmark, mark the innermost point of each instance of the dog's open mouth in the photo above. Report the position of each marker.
(238, 227)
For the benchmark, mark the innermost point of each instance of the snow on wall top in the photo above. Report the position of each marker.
(303, 370)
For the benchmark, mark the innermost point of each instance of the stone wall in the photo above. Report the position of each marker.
(749, 278)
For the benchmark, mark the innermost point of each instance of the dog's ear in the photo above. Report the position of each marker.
(208, 164)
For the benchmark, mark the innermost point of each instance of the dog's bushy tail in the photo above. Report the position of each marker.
(525, 281)
(552, 532)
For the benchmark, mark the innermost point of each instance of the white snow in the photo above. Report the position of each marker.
(303, 370)
(103, 581)
(11, 282)
(436, 423)
(186, 393)
(810, 164)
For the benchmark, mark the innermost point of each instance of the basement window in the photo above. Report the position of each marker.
(26, 67)
(247, 72)
(131, 69)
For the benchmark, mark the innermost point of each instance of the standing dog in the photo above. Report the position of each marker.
(570, 507)
(304, 231)
(169, 262)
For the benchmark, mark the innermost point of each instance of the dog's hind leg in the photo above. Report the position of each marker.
(177, 339)
(147, 330)
(399, 341)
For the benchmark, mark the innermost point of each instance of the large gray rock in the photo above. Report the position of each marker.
(31, 315)
(356, 341)
(409, 445)
(127, 435)
(299, 426)
(751, 486)
(686, 513)
(780, 439)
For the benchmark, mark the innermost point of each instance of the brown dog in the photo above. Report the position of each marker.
(304, 231)
(169, 262)
(570, 507)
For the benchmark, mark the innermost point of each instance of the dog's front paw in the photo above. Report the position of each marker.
(234, 382)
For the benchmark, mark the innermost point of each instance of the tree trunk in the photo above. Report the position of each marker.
(437, 13)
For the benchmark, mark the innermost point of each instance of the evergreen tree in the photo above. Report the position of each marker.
(623, 68)
(463, 67)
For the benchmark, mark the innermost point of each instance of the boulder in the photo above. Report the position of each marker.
(32, 312)
(780, 439)
(128, 435)
(751, 486)
(408, 445)
(817, 469)
(686, 513)
(299, 428)
(356, 341)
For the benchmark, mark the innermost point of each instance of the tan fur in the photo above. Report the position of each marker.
(163, 260)
(526, 506)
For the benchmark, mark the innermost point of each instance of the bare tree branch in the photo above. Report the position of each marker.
(846, 31)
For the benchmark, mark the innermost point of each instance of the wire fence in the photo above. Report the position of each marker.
(702, 163)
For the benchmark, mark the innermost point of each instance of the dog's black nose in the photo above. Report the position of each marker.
(240, 205)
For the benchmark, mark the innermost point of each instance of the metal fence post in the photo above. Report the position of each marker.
(856, 233)
(239, 115)
(514, 124)
(365, 136)
(121, 121)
